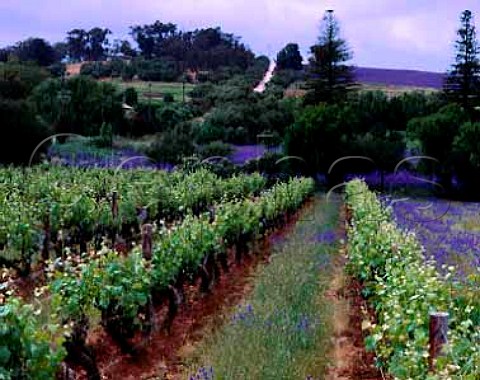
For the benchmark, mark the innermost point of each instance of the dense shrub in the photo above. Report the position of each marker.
(168, 98)
(96, 70)
(87, 105)
(157, 70)
(284, 78)
(22, 131)
(466, 159)
(173, 145)
(213, 149)
(168, 115)
(101, 69)
(131, 96)
(29, 75)
(436, 134)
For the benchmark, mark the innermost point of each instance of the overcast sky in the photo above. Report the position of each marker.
(413, 34)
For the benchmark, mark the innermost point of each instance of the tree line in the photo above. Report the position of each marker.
(200, 49)
(338, 120)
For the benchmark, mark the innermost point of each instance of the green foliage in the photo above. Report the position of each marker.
(87, 105)
(174, 144)
(408, 105)
(29, 349)
(215, 148)
(57, 70)
(105, 139)
(436, 134)
(158, 70)
(131, 96)
(105, 69)
(23, 131)
(285, 78)
(316, 135)
(35, 50)
(467, 142)
(96, 70)
(87, 45)
(128, 72)
(367, 124)
(169, 115)
(437, 131)
(463, 83)
(239, 115)
(168, 98)
(285, 320)
(29, 76)
(13, 89)
(403, 287)
(329, 79)
(466, 151)
(289, 58)
(202, 49)
(274, 170)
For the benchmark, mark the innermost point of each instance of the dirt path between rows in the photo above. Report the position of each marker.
(161, 356)
(349, 360)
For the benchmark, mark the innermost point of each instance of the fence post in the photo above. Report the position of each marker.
(115, 204)
(46, 239)
(115, 216)
(438, 336)
(147, 241)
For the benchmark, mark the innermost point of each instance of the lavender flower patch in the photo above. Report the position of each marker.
(328, 237)
(449, 231)
(92, 158)
(299, 326)
(203, 373)
(395, 180)
(244, 153)
(244, 315)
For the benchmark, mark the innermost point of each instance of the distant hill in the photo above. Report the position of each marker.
(393, 77)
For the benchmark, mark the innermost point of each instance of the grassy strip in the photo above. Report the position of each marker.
(158, 88)
(281, 332)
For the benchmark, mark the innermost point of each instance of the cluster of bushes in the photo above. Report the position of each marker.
(168, 70)
(155, 70)
(79, 105)
(23, 130)
(367, 124)
(156, 118)
(451, 137)
(284, 78)
(238, 115)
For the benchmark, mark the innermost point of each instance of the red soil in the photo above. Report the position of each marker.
(349, 359)
(160, 355)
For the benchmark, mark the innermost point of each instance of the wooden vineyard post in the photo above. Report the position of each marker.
(438, 336)
(147, 241)
(46, 240)
(59, 245)
(115, 205)
(114, 215)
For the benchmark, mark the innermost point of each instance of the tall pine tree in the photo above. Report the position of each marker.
(329, 78)
(463, 81)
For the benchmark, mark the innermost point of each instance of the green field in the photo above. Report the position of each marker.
(396, 90)
(157, 90)
(297, 89)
